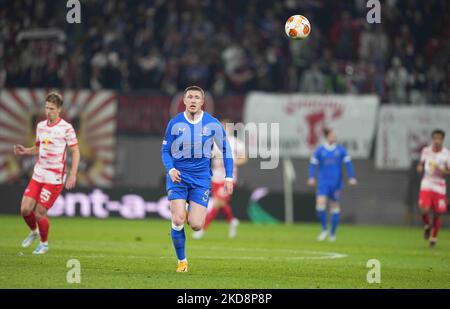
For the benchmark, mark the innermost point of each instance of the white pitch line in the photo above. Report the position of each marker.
(294, 254)
(319, 256)
(249, 249)
(327, 256)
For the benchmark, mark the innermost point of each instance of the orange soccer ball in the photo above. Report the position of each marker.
(297, 27)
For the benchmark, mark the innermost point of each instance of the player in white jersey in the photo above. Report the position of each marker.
(435, 164)
(220, 199)
(53, 137)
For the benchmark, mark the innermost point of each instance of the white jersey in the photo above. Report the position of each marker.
(433, 180)
(218, 169)
(52, 141)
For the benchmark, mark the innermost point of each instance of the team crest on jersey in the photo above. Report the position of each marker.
(205, 131)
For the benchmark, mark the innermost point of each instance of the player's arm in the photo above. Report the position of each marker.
(227, 156)
(421, 165)
(166, 155)
(71, 140)
(72, 179)
(240, 160)
(349, 167)
(241, 157)
(20, 150)
(313, 163)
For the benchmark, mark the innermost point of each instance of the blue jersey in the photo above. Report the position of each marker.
(188, 145)
(329, 160)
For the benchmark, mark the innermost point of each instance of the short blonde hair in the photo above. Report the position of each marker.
(55, 97)
(195, 88)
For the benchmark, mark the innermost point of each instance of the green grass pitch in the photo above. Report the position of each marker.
(117, 253)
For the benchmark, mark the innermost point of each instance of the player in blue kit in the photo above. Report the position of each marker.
(186, 154)
(329, 158)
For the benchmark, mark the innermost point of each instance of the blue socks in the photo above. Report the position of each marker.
(179, 240)
(335, 216)
(322, 215)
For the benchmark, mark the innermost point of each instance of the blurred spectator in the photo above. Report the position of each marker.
(313, 80)
(397, 79)
(436, 85)
(344, 36)
(418, 82)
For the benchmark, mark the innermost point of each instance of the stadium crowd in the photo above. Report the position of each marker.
(230, 47)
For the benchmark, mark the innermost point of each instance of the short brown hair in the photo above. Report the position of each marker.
(55, 97)
(327, 132)
(196, 88)
(438, 132)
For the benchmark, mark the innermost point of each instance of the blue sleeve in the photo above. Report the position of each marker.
(166, 154)
(348, 164)
(313, 162)
(227, 154)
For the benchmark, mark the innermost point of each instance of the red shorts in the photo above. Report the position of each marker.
(437, 201)
(44, 193)
(218, 192)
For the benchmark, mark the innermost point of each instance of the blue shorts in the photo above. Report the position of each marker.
(188, 192)
(331, 191)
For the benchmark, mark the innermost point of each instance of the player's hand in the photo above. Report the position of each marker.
(352, 182)
(175, 175)
(229, 187)
(71, 181)
(419, 168)
(19, 150)
(311, 182)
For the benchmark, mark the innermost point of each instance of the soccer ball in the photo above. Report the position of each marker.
(297, 27)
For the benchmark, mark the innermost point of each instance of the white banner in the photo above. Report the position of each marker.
(403, 131)
(302, 118)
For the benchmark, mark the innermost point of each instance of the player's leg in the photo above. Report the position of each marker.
(439, 207)
(210, 216)
(26, 209)
(335, 212)
(229, 215)
(424, 206)
(197, 215)
(47, 197)
(321, 211)
(177, 194)
(232, 220)
(435, 229)
(27, 206)
(178, 211)
(426, 219)
(222, 202)
(217, 202)
(44, 226)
